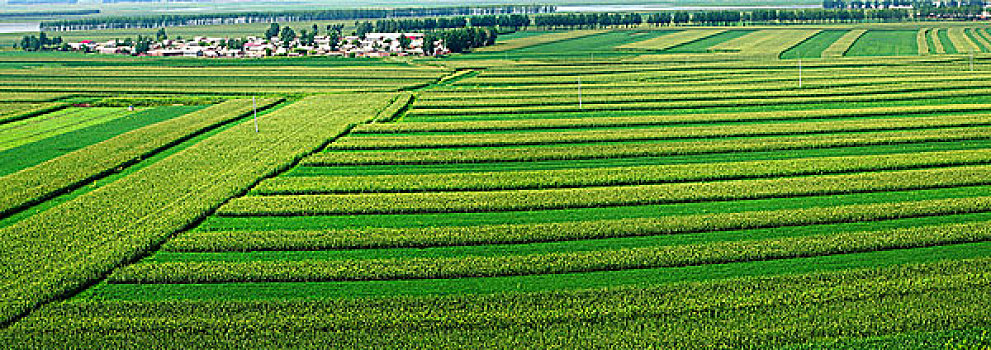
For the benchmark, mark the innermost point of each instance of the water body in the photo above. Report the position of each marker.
(633, 8)
(19, 27)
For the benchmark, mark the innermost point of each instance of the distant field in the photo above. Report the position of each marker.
(814, 46)
(885, 43)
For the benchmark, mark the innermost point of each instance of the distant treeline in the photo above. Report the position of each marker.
(862, 4)
(118, 22)
(967, 9)
(49, 13)
(429, 24)
(460, 40)
(719, 18)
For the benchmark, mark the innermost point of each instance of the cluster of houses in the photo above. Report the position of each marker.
(369, 45)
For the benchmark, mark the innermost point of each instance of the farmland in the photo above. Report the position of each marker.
(599, 188)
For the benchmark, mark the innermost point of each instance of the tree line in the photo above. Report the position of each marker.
(955, 9)
(513, 22)
(119, 22)
(39, 43)
(460, 40)
(718, 18)
(900, 3)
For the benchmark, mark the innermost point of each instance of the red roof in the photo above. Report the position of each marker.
(87, 41)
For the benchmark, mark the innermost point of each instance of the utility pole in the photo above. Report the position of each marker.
(580, 93)
(254, 105)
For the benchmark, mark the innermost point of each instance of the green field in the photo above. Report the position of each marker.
(885, 43)
(813, 47)
(693, 191)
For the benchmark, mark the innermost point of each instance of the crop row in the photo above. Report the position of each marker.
(541, 100)
(486, 201)
(938, 47)
(740, 313)
(630, 175)
(647, 120)
(410, 141)
(675, 88)
(729, 79)
(520, 43)
(224, 241)
(668, 41)
(922, 42)
(627, 150)
(311, 73)
(65, 247)
(688, 104)
(152, 88)
(40, 182)
(982, 36)
(395, 109)
(56, 123)
(199, 82)
(9, 97)
(728, 74)
(766, 42)
(895, 64)
(551, 263)
(960, 40)
(726, 77)
(18, 111)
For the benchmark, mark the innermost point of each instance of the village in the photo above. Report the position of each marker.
(366, 45)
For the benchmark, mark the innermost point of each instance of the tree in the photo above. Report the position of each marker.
(316, 29)
(142, 45)
(287, 36)
(362, 28)
(335, 38)
(428, 44)
(404, 42)
(272, 31)
(160, 36)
